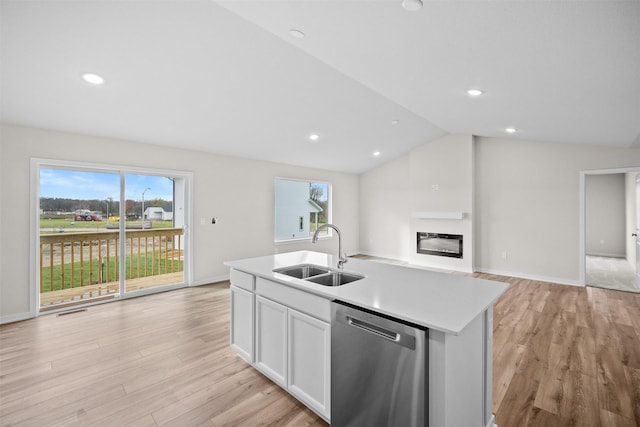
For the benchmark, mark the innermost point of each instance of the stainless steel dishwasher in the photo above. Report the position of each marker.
(379, 370)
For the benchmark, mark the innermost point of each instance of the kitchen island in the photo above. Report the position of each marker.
(281, 325)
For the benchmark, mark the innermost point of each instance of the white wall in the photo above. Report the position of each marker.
(435, 177)
(239, 192)
(385, 210)
(605, 212)
(525, 202)
(441, 173)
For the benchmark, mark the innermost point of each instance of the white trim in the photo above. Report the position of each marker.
(34, 237)
(606, 255)
(378, 255)
(408, 264)
(38, 163)
(16, 317)
(212, 280)
(548, 279)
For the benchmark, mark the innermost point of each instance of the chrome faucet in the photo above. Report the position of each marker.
(341, 258)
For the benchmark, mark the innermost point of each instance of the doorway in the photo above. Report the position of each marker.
(104, 232)
(608, 219)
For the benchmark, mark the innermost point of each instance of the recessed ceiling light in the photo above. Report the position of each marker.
(296, 33)
(474, 92)
(412, 5)
(510, 130)
(395, 122)
(314, 137)
(94, 79)
(376, 153)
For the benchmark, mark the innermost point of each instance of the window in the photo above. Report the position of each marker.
(300, 208)
(106, 232)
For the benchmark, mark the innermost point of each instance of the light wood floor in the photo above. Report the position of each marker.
(563, 356)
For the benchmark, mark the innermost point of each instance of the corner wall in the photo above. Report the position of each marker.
(435, 177)
(524, 198)
(442, 181)
(239, 192)
(528, 205)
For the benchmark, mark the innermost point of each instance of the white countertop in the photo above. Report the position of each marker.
(440, 301)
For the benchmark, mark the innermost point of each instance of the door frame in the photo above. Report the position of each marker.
(582, 217)
(34, 223)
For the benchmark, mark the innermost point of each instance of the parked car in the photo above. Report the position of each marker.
(86, 215)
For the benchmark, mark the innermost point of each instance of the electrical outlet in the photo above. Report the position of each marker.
(504, 255)
(203, 221)
(435, 187)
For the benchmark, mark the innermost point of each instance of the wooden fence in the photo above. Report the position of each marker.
(75, 260)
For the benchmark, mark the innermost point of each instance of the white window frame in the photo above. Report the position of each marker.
(34, 222)
(329, 209)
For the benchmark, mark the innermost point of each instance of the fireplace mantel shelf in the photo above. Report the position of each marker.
(438, 215)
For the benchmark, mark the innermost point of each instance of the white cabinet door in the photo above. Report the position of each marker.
(309, 354)
(271, 340)
(242, 321)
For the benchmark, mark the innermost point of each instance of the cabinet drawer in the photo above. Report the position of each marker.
(242, 280)
(310, 304)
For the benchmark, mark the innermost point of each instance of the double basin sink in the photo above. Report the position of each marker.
(318, 274)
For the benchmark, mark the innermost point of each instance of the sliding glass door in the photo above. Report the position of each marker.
(78, 256)
(154, 232)
(103, 232)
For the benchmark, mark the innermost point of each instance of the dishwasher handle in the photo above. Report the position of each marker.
(369, 327)
(400, 338)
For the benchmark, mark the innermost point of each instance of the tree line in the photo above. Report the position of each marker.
(110, 206)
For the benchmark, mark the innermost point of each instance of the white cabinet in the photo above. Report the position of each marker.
(309, 357)
(271, 340)
(292, 336)
(242, 311)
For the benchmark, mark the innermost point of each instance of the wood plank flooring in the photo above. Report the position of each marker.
(563, 356)
(566, 356)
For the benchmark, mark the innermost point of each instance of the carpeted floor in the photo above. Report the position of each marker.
(611, 273)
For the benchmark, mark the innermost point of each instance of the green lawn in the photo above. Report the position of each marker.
(98, 271)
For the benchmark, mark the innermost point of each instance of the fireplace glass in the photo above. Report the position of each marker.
(439, 244)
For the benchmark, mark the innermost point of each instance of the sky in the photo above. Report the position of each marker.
(73, 184)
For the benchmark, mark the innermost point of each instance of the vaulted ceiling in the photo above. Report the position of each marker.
(231, 77)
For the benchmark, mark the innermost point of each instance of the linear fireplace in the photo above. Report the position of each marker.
(449, 245)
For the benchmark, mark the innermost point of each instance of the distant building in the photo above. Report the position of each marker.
(156, 213)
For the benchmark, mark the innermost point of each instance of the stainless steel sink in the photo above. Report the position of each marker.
(319, 274)
(335, 278)
(302, 271)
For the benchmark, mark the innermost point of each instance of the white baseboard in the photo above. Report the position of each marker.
(487, 270)
(606, 255)
(16, 317)
(378, 255)
(413, 265)
(210, 280)
(530, 276)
